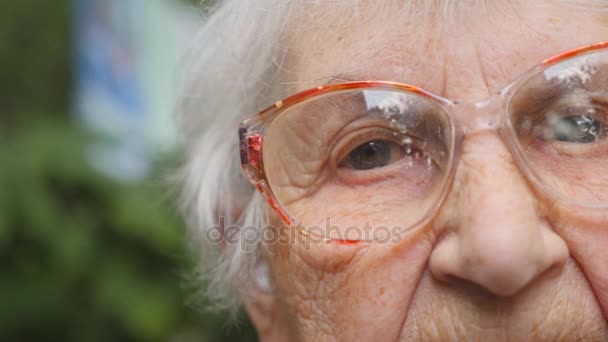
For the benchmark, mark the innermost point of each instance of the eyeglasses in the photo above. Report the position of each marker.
(360, 160)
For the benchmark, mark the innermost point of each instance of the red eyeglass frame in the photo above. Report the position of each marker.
(251, 131)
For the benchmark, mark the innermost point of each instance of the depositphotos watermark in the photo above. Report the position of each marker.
(235, 234)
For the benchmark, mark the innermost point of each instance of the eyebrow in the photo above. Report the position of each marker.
(339, 78)
(325, 80)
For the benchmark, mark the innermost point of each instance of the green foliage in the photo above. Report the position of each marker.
(86, 258)
(83, 257)
(35, 58)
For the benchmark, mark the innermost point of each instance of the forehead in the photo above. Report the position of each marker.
(463, 52)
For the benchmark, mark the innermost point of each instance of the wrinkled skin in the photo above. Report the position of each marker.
(500, 261)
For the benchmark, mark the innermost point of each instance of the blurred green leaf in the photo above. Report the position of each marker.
(83, 257)
(86, 257)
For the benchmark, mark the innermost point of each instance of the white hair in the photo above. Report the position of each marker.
(230, 73)
(225, 76)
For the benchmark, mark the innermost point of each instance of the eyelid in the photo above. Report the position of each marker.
(537, 112)
(542, 88)
(535, 101)
(354, 138)
(380, 131)
(578, 100)
(567, 149)
(600, 98)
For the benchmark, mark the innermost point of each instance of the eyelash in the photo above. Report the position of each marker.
(352, 140)
(362, 177)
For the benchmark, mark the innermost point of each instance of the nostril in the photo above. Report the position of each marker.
(510, 286)
(505, 269)
(481, 291)
(472, 289)
(506, 282)
(500, 283)
(502, 266)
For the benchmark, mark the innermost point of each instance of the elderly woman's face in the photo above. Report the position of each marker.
(499, 261)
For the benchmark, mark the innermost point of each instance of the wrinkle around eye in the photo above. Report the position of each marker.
(293, 174)
(298, 153)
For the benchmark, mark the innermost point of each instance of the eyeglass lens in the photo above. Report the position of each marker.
(363, 164)
(560, 117)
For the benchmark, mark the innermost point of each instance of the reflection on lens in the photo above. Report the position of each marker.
(358, 164)
(560, 117)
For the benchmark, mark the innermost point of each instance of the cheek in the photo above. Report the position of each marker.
(579, 175)
(345, 287)
(383, 211)
(290, 166)
(586, 232)
(444, 312)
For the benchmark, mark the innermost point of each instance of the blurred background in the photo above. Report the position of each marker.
(91, 248)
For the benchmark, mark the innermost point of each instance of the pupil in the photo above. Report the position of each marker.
(582, 129)
(370, 155)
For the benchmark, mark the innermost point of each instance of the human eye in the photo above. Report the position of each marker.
(579, 118)
(560, 120)
(580, 123)
(373, 154)
(377, 153)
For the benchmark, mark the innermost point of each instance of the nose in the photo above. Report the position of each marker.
(493, 234)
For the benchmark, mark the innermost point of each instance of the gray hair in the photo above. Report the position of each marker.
(225, 76)
(230, 73)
